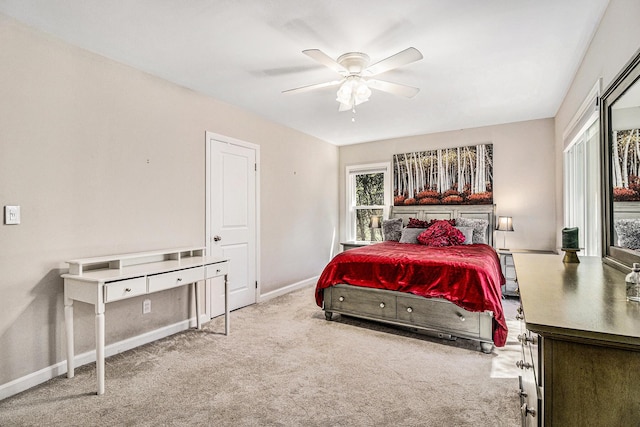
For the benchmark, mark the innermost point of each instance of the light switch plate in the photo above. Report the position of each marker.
(12, 215)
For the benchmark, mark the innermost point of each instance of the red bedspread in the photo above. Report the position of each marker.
(467, 275)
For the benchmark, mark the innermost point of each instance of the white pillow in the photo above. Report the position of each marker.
(410, 235)
(468, 234)
(480, 227)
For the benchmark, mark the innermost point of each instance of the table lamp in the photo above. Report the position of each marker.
(505, 223)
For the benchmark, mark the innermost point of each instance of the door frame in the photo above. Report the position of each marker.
(207, 233)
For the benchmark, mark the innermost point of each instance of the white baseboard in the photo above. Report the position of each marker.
(289, 288)
(31, 380)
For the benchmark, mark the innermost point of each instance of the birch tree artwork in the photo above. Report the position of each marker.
(625, 165)
(457, 176)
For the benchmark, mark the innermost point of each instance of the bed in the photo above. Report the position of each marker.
(451, 291)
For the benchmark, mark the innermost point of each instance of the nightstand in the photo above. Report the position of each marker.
(510, 288)
(352, 244)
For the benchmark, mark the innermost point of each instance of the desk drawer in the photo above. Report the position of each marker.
(122, 289)
(215, 270)
(172, 279)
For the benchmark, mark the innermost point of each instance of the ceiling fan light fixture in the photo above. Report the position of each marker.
(354, 91)
(352, 66)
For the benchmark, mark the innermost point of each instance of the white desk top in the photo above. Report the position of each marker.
(123, 271)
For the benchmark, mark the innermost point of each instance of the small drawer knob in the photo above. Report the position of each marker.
(409, 310)
(341, 299)
(381, 305)
(461, 317)
(523, 338)
(179, 279)
(525, 410)
(127, 290)
(218, 270)
(523, 365)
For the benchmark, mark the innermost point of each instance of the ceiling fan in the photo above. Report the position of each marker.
(355, 85)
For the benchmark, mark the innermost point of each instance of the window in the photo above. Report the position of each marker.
(582, 175)
(368, 198)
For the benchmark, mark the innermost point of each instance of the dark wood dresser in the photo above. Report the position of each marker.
(581, 344)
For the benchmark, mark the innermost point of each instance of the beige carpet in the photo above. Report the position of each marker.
(285, 365)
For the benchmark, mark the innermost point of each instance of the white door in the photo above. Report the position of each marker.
(232, 211)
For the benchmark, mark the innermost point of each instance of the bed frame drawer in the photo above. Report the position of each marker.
(361, 301)
(437, 313)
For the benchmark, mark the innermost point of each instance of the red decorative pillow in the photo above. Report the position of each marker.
(441, 233)
(416, 223)
(450, 221)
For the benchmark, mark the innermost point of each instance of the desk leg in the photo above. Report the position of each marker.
(226, 305)
(196, 290)
(68, 323)
(100, 351)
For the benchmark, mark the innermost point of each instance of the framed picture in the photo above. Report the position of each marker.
(456, 176)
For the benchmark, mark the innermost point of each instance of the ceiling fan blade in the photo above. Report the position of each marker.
(394, 88)
(325, 60)
(313, 87)
(405, 57)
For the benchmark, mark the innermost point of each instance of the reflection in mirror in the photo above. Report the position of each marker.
(625, 168)
(620, 115)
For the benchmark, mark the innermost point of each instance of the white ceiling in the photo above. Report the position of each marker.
(485, 62)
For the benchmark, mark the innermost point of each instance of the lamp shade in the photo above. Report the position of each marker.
(505, 223)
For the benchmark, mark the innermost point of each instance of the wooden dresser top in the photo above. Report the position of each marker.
(584, 301)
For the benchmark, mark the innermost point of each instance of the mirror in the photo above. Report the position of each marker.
(620, 137)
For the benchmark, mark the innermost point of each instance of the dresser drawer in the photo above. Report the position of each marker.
(172, 279)
(122, 289)
(438, 313)
(215, 270)
(364, 302)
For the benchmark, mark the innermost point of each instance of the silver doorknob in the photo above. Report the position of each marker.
(217, 238)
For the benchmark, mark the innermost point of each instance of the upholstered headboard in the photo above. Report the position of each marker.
(429, 212)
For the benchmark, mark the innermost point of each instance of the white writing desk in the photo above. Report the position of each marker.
(102, 280)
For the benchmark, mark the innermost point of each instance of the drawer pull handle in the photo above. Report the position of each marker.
(341, 299)
(127, 289)
(381, 305)
(519, 317)
(523, 338)
(218, 270)
(525, 410)
(179, 279)
(519, 310)
(523, 365)
(461, 317)
(409, 310)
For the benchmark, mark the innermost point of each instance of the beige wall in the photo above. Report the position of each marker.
(613, 45)
(523, 155)
(104, 159)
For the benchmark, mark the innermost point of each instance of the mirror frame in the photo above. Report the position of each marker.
(618, 257)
